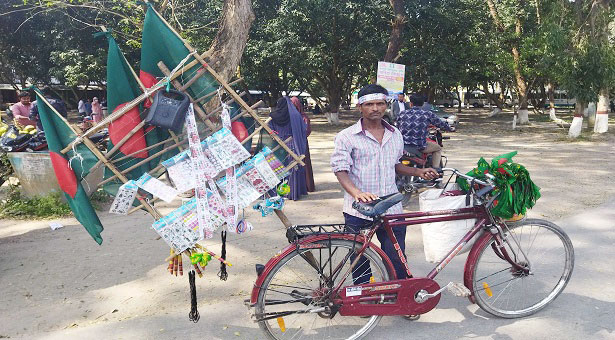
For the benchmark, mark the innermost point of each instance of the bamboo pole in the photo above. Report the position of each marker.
(90, 145)
(243, 113)
(182, 142)
(216, 91)
(199, 73)
(228, 102)
(228, 89)
(159, 153)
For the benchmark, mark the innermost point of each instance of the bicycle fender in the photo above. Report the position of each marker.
(305, 244)
(471, 262)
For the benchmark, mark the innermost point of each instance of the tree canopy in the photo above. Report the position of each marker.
(329, 48)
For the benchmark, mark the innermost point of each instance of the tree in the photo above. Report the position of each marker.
(64, 27)
(336, 43)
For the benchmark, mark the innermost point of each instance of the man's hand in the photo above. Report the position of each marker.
(365, 197)
(428, 173)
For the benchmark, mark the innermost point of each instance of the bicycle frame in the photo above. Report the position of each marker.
(388, 222)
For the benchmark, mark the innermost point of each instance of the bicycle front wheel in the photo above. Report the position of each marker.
(547, 257)
(295, 296)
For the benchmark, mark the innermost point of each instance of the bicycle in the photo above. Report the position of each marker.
(307, 289)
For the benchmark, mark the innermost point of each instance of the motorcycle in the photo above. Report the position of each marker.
(13, 141)
(412, 157)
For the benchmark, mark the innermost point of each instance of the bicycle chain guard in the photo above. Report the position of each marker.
(396, 297)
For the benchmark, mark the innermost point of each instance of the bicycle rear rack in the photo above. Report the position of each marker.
(297, 232)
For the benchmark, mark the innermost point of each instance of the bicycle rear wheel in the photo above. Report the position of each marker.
(538, 245)
(295, 295)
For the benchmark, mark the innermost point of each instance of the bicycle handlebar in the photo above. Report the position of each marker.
(469, 178)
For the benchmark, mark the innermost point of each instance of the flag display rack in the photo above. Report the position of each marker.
(198, 71)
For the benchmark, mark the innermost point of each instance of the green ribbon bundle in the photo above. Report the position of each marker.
(517, 191)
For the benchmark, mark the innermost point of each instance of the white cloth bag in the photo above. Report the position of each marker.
(439, 238)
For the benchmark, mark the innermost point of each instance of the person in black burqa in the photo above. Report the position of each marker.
(286, 121)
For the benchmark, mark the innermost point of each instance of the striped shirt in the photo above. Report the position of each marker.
(370, 165)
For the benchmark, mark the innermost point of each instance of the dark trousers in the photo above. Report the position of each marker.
(362, 272)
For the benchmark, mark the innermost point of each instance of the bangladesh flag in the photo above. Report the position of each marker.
(161, 43)
(59, 135)
(122, 87)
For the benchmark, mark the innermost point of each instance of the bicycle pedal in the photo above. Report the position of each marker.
(458, 289)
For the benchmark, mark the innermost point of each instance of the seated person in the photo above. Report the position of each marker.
(21, 110)
(414, 126)
(57, 104)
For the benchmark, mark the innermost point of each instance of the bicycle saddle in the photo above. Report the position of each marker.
(379, 206)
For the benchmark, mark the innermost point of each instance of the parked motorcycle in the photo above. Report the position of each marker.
(413, 157)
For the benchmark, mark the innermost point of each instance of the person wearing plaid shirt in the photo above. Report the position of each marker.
(414, 126)
(365, 161)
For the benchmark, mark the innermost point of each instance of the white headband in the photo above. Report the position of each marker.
(372, 96)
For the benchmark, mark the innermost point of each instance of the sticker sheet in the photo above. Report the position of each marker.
(202, 170)
(180, 228)
(225, 149)
(156, 187)
(123, 199)
(263, 168)
(182, 176)
(232, 208)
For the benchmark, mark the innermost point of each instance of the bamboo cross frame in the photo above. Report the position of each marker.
(228, 89)
(90, 145)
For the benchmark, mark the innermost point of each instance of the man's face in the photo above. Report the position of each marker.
(373, 109)
(25, 100)
(400, 97)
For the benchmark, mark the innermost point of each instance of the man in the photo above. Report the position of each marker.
(81, 108)
(365, 160)
(398, 105)
(414, 125)
(58, 104)
(21, 110)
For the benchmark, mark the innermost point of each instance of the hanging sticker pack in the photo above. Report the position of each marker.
(231, 185)
(180, 229)
(123, 199)
(203, 171)
(156, 187)
(180, 172)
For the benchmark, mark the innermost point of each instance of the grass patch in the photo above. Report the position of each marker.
(99, 199)
(16, 206)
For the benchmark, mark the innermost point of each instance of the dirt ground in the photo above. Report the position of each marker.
(60, 284)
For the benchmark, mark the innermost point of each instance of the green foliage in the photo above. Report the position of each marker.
(16, 206)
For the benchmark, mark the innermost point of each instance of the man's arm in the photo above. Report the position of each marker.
(426, 173)
(341, 162)
(439, 122)
(348, 185)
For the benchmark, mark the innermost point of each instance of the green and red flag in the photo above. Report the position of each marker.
(69, 173)
(122, 87)
(161, 43)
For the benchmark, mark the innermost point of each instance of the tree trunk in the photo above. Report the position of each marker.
(590, 114)
(397, 30)
(551, 97)
(577, 122)
(602, 112)
(493, 98)
(227, 48)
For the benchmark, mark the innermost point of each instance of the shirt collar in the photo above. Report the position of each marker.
(358, 126)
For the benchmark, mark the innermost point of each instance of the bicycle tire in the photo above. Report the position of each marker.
(492, 276)
(273, 328)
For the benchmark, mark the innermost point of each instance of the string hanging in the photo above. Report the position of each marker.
(194, 315)
(222, 274)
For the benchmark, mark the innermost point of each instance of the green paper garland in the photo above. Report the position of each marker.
(517, 191)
